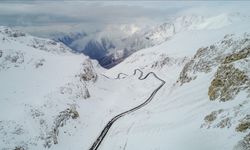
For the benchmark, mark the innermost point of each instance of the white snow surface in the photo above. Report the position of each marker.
(174, 119)
(38, 84)
(33, 95)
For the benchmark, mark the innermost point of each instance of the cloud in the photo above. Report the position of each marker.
(63, 13)
(42, 17)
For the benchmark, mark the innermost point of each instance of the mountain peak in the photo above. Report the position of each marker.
(48, 45)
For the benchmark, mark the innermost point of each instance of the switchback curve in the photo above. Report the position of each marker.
(104, 132)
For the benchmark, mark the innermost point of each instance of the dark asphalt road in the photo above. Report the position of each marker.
(104, 132)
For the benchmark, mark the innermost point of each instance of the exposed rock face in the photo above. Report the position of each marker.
(165, 60)
(243, 144)
(14, 59)
(210, 118)
(225, 123)
(227, 83)
(228, 63)
(86, 93)
(203, 61)
(12, 33)
(70, 38)
(35, 42)
(244, 124)
(95, 50)
(88, 73)
(60, 120)
(229, 80)
(230, 60)
(244, 53)
(207, 58)
(19, 148)
(39, 63)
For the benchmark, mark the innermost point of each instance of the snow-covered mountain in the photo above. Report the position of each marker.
(54, 98)
(70, 39)
(115, 43)
(41, 82)
(205, 101)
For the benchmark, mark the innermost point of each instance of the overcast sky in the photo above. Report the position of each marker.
(40, 16)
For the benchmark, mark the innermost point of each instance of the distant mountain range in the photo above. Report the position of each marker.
(109, 46)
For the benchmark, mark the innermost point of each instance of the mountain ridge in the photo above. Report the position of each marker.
(61, 99)
(130, 38)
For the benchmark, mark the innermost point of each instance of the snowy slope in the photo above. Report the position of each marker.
(197, 109)
(55, 99)
(40, 79)
(114, 43)
(52, 98)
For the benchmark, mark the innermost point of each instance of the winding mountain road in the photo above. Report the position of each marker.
(104, 132)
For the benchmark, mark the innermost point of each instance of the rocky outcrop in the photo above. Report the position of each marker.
(88, 72)
(11, 33)
(229, 59)
(60, 121)
(210, 118)
(227, 64)
(244, 53)
(14, 59)
(165, 60)
(1, 53)
(244, 124)
(35, 42)
(244, 144)
(202, 62)
(227, 83)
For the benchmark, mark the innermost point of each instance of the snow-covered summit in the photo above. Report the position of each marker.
(163, 32)
(7, 34)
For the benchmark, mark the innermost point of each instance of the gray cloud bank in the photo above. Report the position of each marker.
(41, 17)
